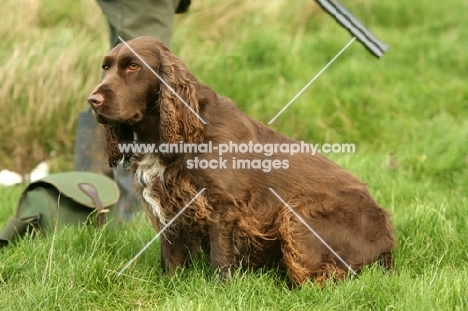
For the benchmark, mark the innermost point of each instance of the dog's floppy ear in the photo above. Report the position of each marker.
(178, 122)
(115, 135)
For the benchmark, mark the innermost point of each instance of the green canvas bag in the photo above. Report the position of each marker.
(62, 199)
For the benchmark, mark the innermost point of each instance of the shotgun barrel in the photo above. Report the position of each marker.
(348, 21)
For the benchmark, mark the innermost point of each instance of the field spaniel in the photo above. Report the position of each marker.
(239, 220)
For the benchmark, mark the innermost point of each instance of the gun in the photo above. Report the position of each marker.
(348, 21)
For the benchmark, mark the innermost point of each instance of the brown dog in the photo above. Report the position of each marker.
(237, 220)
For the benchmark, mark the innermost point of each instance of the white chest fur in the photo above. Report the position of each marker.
(148, 172)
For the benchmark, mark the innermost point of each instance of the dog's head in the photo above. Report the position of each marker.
(145, 91)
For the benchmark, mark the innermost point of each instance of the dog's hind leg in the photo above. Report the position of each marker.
(305, 257)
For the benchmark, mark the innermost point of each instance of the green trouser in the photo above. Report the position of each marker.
(134, 18)
(127, 19)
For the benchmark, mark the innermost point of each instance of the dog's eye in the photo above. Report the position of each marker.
(104, 67)
(133, 66)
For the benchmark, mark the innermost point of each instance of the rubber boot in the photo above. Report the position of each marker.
(89, 156)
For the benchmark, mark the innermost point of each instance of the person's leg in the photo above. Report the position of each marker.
(128, 19)
(133, 18)
(89, 146)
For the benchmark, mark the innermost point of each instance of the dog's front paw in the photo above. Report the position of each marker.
(226, 273)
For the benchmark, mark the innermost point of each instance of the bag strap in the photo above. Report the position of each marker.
(92, 192)
(18, 227)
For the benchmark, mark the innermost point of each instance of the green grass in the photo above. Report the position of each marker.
(410, 106)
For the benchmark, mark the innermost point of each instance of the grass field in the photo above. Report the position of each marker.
(407, 114)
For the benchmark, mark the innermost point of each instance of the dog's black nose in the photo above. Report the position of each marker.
(95, 100)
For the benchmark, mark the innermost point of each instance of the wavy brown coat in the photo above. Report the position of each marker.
(237, 221)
